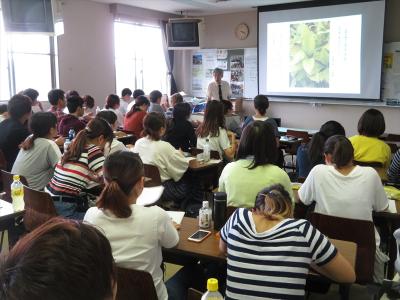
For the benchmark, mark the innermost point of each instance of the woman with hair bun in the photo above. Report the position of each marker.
(136, 233)
(133, 121)
(269, 253)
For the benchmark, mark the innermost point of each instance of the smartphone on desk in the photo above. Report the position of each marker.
(199, 236)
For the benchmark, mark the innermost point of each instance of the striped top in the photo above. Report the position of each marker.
(272, 264)
(394, 169)
(74, 176)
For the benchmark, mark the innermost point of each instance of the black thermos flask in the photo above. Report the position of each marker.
(219, 210)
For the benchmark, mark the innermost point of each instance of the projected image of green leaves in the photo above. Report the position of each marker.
(309, 55)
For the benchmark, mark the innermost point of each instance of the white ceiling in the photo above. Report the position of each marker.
(199, 7)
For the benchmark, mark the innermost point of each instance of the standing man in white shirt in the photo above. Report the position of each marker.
(218, 89)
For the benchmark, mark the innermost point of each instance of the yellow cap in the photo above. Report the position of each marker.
(212, 284)
(16, 177)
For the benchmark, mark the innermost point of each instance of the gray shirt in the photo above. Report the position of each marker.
(155, 107)
(37, 164)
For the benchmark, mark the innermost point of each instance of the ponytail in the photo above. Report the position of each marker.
(94, 129)
(28, 143)
(107, 200)
(341, 149)
(121, 171)
(40, 125)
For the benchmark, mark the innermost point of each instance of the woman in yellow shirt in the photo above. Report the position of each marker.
(367, 145)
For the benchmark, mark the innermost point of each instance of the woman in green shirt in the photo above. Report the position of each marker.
(254, 167)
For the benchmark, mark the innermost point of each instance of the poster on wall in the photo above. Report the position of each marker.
(239, 65)
(391, 71)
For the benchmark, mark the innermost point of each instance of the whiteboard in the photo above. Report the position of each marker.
(239, 65)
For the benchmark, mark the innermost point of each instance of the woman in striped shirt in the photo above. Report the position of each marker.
(81, 164)
(269, 252)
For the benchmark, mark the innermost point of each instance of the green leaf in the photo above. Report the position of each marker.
(308, 65)
(308, 41)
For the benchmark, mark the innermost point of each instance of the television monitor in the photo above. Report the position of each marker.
(183, 34)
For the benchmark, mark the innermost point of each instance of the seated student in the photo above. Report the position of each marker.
(232, 122)
(136, 94)
(261, 104)
(39, 154)
(155, 100)
(136, 233)
(57, 100)
(180, 132)
(88, 106)
(343, 189)
(367, 145)
(115, 145)
(170, 162)
(3, 112)
(125, 101)
(394, 169)
(254, 167)
(72, 121)
(113, 104)
(213, 129)
(269, 252)
(175, 99)
(81, 164)
(33, 94)
(134, 118)
(13, 131)
(61, 260)
(312, 154)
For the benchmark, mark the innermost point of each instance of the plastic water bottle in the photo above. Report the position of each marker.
(205, 215)
(17, 194)
(206, 151)
(66, 144)
(71, 134)
(97, 110)
(212, 290)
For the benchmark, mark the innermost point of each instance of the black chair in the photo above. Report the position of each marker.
(135, 284)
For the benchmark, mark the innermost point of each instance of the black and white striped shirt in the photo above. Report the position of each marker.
(394, 169)
(273, 264)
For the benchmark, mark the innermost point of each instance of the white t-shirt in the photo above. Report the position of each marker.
(115, 146)
(213, 90)
(123, 106)
(352, 196)
(217, 143)
(120, 117)
(170, 162)
(136, 241)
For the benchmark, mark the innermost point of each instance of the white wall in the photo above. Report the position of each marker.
(86, 50)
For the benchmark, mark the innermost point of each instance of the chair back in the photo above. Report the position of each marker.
(372, 164)
(152, 175)
(7, 179)
(213, 154)
(194, 294)
(303, 135)
(362, 233)
(393, 137)
(135, 284)
(39, 208)
(393, 147)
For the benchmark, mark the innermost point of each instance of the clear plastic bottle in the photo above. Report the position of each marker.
(66, 144)
(205, 215)
(97, 110)
(71, 134)
(17, 194)
(206, 151)
(212, 290)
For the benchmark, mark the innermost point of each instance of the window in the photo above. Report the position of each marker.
(139, 58)
(27, 60)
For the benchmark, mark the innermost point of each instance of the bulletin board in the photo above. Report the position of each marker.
(391, 71)
(240, 70)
